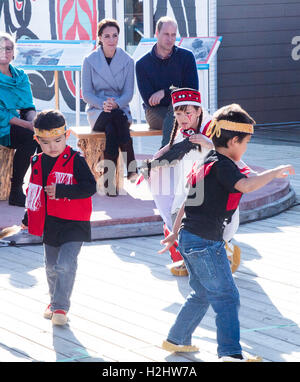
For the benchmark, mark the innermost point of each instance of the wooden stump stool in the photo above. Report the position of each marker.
(92, 145)
(6, 165)
(93, 149)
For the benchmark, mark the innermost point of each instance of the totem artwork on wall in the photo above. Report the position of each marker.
(65, 20)
(73, 20)
(184, 13)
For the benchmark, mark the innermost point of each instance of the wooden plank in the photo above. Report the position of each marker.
(263, 24)
(9, 354)
(125, 300)
(256, 38)
(136, 130)
(143, 130)
(263, 11)
(129, 266)
(226, 3)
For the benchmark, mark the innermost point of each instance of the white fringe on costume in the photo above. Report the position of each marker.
(33, 199)
(63, 178)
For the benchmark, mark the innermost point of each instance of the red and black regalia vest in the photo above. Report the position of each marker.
(36, 202)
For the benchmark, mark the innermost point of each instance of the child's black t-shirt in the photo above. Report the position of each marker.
(213, 199)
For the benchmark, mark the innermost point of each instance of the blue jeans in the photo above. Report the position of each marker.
(212, 284)
(61, 267)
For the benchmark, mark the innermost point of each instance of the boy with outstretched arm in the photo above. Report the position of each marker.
(59, 208)
(201, 241)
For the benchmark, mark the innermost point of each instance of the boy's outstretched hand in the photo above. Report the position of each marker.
(284, 170)
(168, 242)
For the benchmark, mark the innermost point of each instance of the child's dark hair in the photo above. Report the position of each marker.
(49, 119)
(176, 125)
(233, 113)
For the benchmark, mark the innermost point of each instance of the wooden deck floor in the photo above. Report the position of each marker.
(125, 300)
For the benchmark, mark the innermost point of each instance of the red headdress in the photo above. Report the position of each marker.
(185, 96)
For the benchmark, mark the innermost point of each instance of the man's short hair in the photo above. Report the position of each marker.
(162, 20)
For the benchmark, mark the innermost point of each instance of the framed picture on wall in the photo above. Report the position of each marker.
(204, 48)
(51, 54)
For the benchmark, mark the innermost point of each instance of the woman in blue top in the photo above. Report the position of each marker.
(17, 112)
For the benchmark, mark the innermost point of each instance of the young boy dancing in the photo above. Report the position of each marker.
(59, 208)
(201, 241)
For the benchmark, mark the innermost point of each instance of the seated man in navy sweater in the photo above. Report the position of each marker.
(165, 65)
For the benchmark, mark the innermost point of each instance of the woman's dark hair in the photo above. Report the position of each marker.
(233, 113)
(176, 125)
(106, 23)
(49, 119)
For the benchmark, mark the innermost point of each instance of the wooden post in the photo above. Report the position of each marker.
(77, 99)
(56, 88)
(6, 165)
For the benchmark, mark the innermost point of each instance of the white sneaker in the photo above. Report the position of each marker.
(246, 358)
(59, 317)
(48, 312)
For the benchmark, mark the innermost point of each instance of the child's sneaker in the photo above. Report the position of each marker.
(243, 358)
(48, 312)
(179, 270)
(234, 255)
(59, 317)
(173, 348)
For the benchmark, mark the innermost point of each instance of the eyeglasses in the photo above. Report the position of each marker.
(8, 49)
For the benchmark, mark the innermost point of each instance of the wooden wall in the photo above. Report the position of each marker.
(255, 63)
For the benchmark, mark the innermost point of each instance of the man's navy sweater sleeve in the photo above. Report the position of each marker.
(154, 74)
(145, 78)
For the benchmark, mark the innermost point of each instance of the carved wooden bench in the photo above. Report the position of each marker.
(6, 165)
(92, 145)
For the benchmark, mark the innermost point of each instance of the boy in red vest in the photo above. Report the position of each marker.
(59, 208)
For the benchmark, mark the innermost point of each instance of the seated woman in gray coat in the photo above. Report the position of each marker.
(107, 88)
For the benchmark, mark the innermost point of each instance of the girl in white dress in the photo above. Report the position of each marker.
(168, 177)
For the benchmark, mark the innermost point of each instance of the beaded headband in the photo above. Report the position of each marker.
(216, 126)
(50, 133)
(185, 96)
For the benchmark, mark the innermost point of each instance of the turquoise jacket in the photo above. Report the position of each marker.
(15, 94)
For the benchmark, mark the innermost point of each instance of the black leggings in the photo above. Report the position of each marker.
(116, 127)
(21, 140)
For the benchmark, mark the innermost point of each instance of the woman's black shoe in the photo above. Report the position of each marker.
(17, 197)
